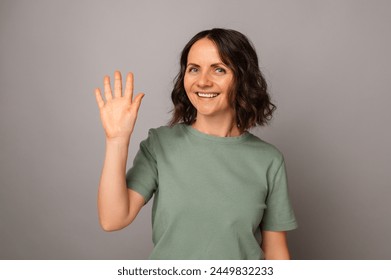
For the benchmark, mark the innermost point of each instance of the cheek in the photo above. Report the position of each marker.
(231, 94)
(186, 83)
(230, 84)
(187, 86)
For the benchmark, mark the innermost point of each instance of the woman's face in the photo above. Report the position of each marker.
(208, 80)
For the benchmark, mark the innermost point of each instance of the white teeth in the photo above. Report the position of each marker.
(208, 95)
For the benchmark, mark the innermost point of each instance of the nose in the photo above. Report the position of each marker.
(204, 80)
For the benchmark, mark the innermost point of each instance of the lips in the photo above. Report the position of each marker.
(207, 94)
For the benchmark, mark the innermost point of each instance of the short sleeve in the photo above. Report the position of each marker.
(279, 215)
(142, 176)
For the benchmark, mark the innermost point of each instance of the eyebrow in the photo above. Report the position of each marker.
(213, 65)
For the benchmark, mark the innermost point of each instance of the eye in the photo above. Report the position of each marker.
(192, 69)
(220, 70)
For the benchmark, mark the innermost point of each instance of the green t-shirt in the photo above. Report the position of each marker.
(213, 195)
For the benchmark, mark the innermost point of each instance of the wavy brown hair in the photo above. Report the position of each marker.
(249, 95)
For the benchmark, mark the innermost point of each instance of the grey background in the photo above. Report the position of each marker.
(328, 67)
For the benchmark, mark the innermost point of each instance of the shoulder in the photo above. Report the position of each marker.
(164, 135)
(167, 131)
(265, 148)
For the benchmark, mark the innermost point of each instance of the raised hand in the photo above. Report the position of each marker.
(119, 113)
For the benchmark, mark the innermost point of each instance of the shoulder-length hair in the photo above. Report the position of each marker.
(249, 96)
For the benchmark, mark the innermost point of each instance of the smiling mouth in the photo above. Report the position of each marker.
(207, 95)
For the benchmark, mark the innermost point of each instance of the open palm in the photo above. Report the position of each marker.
(119, 112)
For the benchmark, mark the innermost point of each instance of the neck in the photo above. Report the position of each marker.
(225, 127)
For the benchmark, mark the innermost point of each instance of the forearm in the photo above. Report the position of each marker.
(277, 254)
(275, 245)
(113, 202)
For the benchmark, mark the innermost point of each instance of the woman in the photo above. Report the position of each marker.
(220, 192)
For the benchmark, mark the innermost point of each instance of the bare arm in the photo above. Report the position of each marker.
(274, 245)
(117, 205)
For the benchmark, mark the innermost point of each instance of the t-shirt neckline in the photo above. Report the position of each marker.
(234, 139)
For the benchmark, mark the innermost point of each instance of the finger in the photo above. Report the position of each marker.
(137, 100)
(129, 86)
(108, 94)
(99, 99)
(117, 84)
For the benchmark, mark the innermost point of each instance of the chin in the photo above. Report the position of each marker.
(205, 112)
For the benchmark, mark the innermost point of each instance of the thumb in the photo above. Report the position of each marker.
(138, 98)
(137, 101)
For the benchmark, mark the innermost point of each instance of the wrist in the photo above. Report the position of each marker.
(118, 141)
